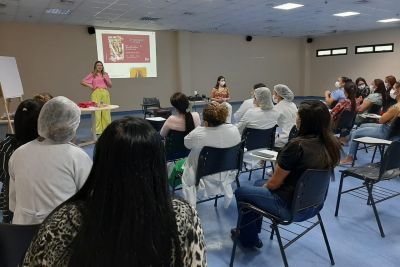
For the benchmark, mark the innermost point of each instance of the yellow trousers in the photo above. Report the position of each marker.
(103, 117)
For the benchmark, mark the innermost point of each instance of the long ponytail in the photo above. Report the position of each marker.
(181, 103)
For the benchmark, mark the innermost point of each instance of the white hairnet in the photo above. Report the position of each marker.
(263, 98)
(284, 92)
(59, 119)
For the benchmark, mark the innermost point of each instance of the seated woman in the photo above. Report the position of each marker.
(314, 148)
(25, 124)
(362, 89)
(214, 133)
(220, 93)
(287, 110)
(389, 83)
(263, 115)
(375, 99)
(48, 170)
(331, 98)
(124, 214)
(184, 121)
(376, 130)
(350, 103)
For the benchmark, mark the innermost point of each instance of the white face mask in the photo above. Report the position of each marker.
(392, 94)
(361, 87)
(386, 85)
(222, 83)
(337, 84)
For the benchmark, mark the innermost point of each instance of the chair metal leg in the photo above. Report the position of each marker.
(237, 179)
(373, 155)
(251, 171)
(369, 188)
(262, 177)
(326, 239)
(235, 238)
(272, 167)
(278, 236)
(339, 194)
(271, 237)
(216, 200)
(333, 178)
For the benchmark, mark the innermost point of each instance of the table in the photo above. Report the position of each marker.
(377, 142)
(263, 150)
(370, 116)
(194, 103)
(92, 111)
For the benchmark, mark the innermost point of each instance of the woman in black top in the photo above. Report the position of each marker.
(314, 148)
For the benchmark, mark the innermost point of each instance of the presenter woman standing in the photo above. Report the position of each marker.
(99, 82)
(220, 93)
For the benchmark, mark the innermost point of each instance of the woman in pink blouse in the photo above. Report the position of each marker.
(185, 121)
(99, 81)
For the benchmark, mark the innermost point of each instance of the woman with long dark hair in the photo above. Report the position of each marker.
(390, 97)
(124, 215)
(362, 88)
(377, 98)
(184, 121)
(349, 103)
(314, 148)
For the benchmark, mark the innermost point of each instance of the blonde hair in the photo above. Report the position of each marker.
(42, 97)
(215, 114)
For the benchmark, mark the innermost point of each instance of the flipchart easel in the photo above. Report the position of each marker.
(10, 85)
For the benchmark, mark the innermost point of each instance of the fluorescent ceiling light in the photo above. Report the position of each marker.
(388, 20)
(346, 14)
(288, 6)
(58, 11)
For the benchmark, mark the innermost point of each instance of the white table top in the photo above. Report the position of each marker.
(263, 150)
(370, 116)
(155, 119)
(104, 107)
(373, 140)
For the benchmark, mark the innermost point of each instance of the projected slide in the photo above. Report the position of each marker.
(127, 54)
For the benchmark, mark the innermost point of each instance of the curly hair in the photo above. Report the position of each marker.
(215, 114)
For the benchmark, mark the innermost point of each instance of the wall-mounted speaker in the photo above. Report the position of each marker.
(249, 38)
(309, 40)
(91, 30)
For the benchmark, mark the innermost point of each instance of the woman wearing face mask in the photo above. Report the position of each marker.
(377, 130)
(331, 98)
(362, 88)
(389, 83)
(287, 110)
(220, 93)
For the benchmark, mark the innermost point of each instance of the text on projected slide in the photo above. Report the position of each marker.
(127, 54)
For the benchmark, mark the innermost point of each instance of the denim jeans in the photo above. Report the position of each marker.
(370, 130)
(264, 199)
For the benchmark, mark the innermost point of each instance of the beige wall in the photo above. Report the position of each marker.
(55, 58)
(324, 70)
(267, 60)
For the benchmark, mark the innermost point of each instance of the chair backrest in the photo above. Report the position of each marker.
(151, 102)
(259, 138)
(14, 241)
(375, 109)
(175, 146)
(310, 194)
(215, 160)
(390, 165)
(345, 120)
(293, 133)
(394, 130)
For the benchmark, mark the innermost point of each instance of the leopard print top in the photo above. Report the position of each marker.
(52, 245)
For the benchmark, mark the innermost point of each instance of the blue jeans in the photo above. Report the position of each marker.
(264, 199)
(370, 130)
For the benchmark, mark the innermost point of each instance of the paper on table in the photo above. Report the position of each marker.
(156, 119)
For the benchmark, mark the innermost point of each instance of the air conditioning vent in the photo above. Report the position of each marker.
(149, 19)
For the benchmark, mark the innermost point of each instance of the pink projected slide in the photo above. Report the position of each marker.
(126, 48)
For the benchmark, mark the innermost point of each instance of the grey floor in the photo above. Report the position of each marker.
(353, 235)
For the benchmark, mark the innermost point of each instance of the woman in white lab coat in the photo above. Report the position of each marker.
(48, 170)
(214, 133)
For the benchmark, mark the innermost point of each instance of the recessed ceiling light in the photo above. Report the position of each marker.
(346, 14)
(58, 11)
(288, 6)
(388, 20)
